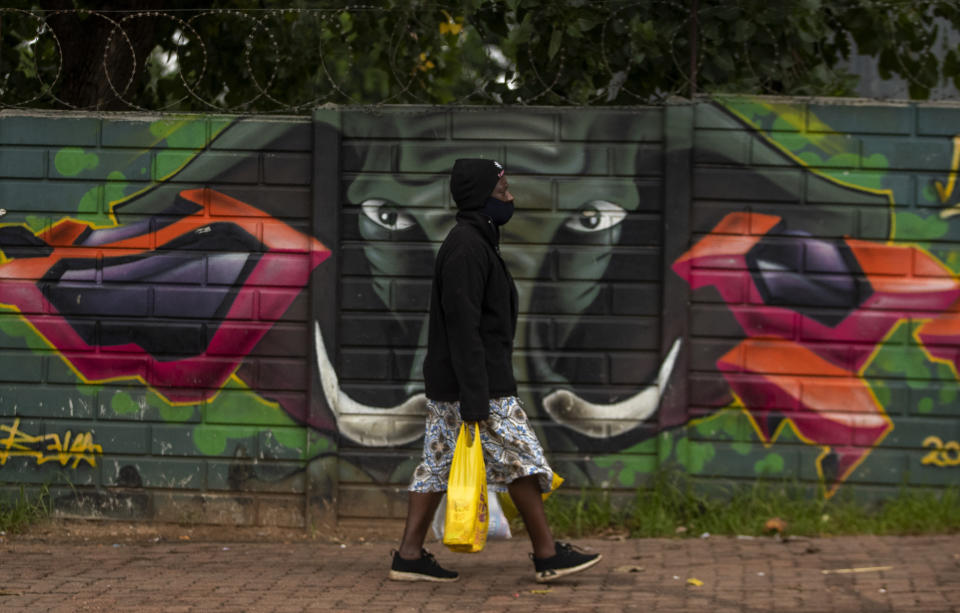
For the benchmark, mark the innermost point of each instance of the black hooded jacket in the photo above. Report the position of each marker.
(473, 304)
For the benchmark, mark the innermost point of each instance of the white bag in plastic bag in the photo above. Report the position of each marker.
(497, 530)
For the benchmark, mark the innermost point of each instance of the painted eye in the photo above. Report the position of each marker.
(386, 214)
(595, 216)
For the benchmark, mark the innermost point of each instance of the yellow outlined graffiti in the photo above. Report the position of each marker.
(176, 124)
(887, 192)
(48, 447)
(792, 120)
(945, 191)
(233, 377)
(941, 454)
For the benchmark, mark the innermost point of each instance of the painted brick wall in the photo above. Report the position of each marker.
(847, 237)
(590, 294)
(146, 318)
(228, 315)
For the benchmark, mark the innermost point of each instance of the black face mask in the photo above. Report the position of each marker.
(499, 211)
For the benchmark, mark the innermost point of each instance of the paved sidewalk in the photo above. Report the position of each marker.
(759, 575)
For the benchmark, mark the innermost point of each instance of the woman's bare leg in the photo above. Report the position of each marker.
(420, 510)
(525, 493)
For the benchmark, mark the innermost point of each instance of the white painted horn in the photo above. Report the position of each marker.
(607, 420)
(368, 425)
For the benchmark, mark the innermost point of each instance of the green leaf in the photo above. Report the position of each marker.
(728, 13)
(743, 30)
(711, 32)
(346, 22)
(648, 31)
(377, 81)
(555, 39)
(586, 23)
(724, 62)
(525, 30)
(807, 36)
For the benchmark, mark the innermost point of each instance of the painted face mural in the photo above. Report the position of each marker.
(576, 231)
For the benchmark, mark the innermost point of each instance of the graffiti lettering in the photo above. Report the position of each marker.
(49, 447)
(941, 454)
(944, 192)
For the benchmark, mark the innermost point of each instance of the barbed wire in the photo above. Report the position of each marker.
(292, 60)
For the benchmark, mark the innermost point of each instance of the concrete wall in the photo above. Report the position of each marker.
(222, 319)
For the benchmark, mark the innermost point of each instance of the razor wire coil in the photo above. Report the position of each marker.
(258, 79)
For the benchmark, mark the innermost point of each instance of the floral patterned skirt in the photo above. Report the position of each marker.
(510, 447)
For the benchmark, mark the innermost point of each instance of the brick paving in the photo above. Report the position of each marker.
(759, 575)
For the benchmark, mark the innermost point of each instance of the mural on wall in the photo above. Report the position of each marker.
(575, 229)
(165, 294)
(817, 387)
(71, 279)
(809, 264)
(820, 313)
(167, 280)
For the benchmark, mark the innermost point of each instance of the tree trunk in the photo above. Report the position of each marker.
(89, 53)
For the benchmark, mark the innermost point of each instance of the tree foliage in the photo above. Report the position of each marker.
(267, 56)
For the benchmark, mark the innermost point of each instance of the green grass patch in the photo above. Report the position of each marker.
(672, 506)
(16, 514)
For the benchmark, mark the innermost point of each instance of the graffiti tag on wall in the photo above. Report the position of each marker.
(943, 454)
(65, 449)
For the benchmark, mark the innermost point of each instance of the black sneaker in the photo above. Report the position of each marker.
(568, 560)
(424, 568)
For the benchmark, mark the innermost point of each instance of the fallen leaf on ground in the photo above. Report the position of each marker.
(694, 581)
(629, 568)
(775, 524)
(539, 591)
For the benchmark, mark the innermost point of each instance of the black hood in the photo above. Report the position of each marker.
(472, 180)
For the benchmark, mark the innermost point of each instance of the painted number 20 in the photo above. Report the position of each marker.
(941, 454)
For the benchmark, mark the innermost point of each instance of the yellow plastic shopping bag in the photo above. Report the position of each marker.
(465, 528)
(510, 509)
